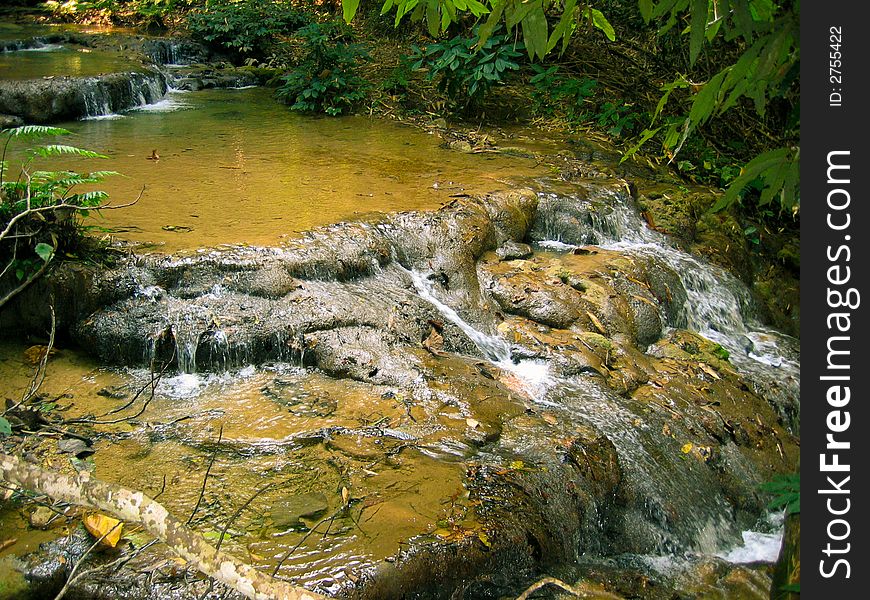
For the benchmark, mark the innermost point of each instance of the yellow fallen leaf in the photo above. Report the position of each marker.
(597, 323)
(709, 371)
(443, 533)
(687, 447)
(345, 495)
(101, 526)
(516, 465)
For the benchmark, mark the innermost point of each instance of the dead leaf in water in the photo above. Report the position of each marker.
(107, 528)
(35, 354)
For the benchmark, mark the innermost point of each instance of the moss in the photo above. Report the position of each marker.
(12, 582)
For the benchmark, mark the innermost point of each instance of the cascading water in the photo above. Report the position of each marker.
(718, 305)
(533, 373)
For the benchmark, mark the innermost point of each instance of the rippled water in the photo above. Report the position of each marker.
(56, 60)
(236, 167)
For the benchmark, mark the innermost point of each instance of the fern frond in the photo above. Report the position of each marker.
(34, 131)
(60, 149)
(89, 199)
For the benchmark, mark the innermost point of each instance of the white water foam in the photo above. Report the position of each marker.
(533, 374)
(108, 117)
(170, 103)
(756, 547)
(42, 48)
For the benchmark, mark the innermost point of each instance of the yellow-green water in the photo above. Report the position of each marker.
(394, 491)
(57, 61)
(236, 167)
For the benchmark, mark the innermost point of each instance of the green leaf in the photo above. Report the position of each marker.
(44, 251)
(645, 136)
(59, 149)
(535, 32)
(349, 8)
(765, 165)
(705, 100)
(5, 427)
(698, 28)
(517, 13)
(601, 22)
(34, 131)
(646, 9)
(433, 21)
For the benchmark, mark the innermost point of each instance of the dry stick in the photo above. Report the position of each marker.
(81, 559)
(578, 591)
(136, 507)
(38, 377)
(239, 511)
(205, 479)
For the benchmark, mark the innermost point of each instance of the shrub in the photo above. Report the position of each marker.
(465, 72)
(249, 27)
(38, 209)
(327, 78)
(557, 93)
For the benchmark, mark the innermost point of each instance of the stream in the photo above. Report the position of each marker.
(330, 296)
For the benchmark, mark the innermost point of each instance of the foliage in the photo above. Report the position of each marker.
(466, 68)
(786, 490)
(554, 89)
(531, 16)
(38, 209)
(619, 119)
(150, 12)
(767, 68)
(327, 78)
(248, 27)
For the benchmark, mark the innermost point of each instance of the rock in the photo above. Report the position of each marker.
(41, 517)
(460, 146)
(115, 392)
(288, 512)
(68, 98)
(9, 121)
(527, 294)
(511, 250)
(76, 447)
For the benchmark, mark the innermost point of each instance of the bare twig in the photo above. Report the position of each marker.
(135, 507)
(72, 575)
(580, 590)
(205, 479)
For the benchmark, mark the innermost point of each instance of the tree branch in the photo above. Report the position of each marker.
(136, 507)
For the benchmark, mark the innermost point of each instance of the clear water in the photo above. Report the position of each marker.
(56, 61)
(236, 167)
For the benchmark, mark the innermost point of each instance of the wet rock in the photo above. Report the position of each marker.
(513, 250)
(9, 121)
(75, 446)
(41, 517)
(55, 99)
(364, 354)
(512, 214)
(115, 392)
(529, 295)
(287, 513)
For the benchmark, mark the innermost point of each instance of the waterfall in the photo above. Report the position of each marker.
(109, 94)
(534, 374)
(718, 305)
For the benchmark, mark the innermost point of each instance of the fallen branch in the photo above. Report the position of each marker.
(135, 507)
(580, 590)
